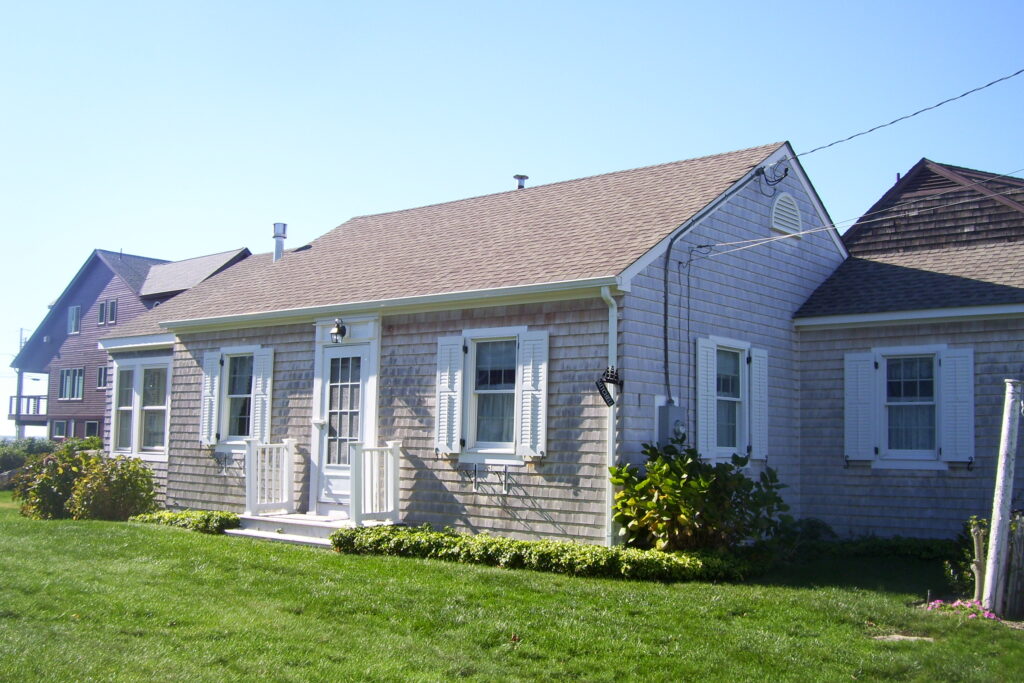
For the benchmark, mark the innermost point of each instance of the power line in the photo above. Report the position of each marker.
(908, 116)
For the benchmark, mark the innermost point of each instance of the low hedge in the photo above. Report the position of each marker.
(203, 521)
(559, 557)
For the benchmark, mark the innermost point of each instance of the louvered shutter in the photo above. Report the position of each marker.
(956, 401)
(860, 406)
(448, 424)
(707, 415)
(532, 395)
(208, 403)
(758, 404)
(262, 381)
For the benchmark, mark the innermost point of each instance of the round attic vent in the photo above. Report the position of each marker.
(786, 214)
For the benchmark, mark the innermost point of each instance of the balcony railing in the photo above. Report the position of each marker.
(27, 406)
(269, 477)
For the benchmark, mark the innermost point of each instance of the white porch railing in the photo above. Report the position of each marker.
(375, 483)
(269, 477)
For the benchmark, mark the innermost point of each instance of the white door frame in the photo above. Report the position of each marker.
(363, 334)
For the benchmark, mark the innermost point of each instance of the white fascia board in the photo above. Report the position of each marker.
(786, 153)
(500, 296)
(149, 341)
(910, 317)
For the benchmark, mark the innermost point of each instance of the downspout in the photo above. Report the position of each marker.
(613, 353)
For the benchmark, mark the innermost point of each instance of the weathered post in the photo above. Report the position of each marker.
(995, 579)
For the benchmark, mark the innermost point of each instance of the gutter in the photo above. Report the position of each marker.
(613, 353)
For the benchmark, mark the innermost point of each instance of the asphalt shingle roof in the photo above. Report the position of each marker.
(168, 278)
(572, 230)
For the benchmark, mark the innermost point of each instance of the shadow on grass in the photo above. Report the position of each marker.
(885, 574)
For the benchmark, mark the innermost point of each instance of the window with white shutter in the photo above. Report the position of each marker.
(909, 407)
(236, 395)
(492, 394)
(732, 399)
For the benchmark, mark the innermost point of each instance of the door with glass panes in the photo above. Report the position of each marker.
(343, 405)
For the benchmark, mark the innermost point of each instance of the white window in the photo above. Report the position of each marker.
(71, 384)
(732, 399)
(102, 377)
(106, 312)
(101, 313)
(492, 394)
(112, 311)
(58, 429)
(910, 407)
(236, 395)
(141, 407)
(74, 319)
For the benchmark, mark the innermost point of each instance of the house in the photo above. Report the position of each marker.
(109, 290)
(481, 363)
(903, 351)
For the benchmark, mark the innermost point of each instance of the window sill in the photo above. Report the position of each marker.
(147, 456)
(930, 465)
(491, 457)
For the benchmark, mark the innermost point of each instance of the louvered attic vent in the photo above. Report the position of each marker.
(786, 214)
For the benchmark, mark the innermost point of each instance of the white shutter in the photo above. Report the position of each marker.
(448, 424)
(956, 405)
(262, 393)
(208, 403)
(707, 410)
(758, 404)
(532, 395)
(860, 406)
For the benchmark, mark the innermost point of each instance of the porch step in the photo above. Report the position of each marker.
(297, 539)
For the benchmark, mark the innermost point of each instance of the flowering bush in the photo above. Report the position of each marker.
(972, 608)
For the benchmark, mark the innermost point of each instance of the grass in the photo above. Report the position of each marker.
(118, 601)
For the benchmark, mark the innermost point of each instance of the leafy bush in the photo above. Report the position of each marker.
(13, 454)
(113, 489)
(47, 480)
(550, 556)
(682, 503)
(203, 521)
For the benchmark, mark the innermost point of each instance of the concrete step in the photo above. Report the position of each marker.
(295, 525)
(297, 539)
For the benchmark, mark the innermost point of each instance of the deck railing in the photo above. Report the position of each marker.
(269, 477)
(27, 406)
(375, 483)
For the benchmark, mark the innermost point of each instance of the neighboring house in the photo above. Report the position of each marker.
(903, 354)
(439, 364)
(109, 290)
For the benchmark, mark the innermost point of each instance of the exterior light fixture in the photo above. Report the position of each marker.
(339, 331)
(609, 377)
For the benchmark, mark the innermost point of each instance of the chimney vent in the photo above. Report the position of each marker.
(280, 232)
(521, 179)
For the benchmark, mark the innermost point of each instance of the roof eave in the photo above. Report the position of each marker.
(909, 317)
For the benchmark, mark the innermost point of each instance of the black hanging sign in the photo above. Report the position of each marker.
(602, 389)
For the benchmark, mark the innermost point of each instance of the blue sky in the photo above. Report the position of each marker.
(178, 129)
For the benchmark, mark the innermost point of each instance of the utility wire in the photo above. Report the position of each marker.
(919, 111)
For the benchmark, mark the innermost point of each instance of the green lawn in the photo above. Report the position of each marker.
(107, 601)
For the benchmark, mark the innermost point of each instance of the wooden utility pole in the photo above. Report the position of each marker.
(995, 570)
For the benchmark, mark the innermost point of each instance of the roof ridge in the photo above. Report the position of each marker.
(773, 145)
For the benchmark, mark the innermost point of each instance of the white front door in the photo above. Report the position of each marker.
(344, 412)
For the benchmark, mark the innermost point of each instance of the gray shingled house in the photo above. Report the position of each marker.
(449, 364)
(903, 354)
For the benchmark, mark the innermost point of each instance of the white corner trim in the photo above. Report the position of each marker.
(149, 341)
(910, 317)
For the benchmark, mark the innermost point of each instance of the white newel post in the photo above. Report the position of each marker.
(356, 483)
(250, 475)
(995, 580)
(288, 475)
(395, 453)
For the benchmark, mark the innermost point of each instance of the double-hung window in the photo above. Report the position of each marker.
(732, 399)
(106, 312)
(909, 407)
(492, 394)
(71, 384)
(236, 395)
(141, 406)
(74, 319)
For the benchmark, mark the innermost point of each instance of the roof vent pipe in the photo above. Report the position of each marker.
(280, 232)
(521, 179)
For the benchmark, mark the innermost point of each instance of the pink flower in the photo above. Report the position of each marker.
(972, 615)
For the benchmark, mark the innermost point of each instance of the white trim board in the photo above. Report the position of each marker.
(826, 322)
(149, 341)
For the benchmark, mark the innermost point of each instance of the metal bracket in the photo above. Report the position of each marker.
(846, 462)
(970, 464)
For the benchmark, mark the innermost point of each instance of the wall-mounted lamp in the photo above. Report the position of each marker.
(339, 331)
(609, 377)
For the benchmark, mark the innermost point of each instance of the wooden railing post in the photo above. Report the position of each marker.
(288, 474)
(356, 484)
(251, 483)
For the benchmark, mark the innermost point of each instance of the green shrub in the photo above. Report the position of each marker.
(113, 489)
(14, 454)
(679, 502)
(46, 482)
(203, 521)
(558, 557)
